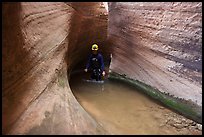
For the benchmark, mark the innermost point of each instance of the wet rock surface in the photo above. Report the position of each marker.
(159, 44)
(182, 124)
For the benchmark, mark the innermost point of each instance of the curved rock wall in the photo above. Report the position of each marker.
(87, 27)
(36, 94)
(159, 44)
(156, 43)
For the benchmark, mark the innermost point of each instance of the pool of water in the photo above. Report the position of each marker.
(120, 108)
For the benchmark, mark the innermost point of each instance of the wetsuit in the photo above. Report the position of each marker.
(96, 65)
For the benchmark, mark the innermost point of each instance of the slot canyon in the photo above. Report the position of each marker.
(154, 46)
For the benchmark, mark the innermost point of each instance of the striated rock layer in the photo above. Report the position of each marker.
(37, 39)
(156, 43)
(159, 44)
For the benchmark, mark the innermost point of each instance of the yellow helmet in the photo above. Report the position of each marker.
(94, 47)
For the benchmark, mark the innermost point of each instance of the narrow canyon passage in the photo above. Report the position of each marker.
(156, 47)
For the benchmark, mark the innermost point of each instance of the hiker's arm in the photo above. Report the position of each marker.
(102, 66)
(102, 63)
(88, 63)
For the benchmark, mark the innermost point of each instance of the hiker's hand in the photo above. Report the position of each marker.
(103, 73)
(85, 70)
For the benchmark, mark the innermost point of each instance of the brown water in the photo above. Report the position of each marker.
(121, 109)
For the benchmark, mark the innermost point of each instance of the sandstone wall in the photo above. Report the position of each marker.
(156, 43)
(159, 44)
(37, 38)
(87, 27)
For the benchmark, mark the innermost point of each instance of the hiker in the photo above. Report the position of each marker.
(95, 64)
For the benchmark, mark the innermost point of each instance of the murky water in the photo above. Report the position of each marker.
(121, 109)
